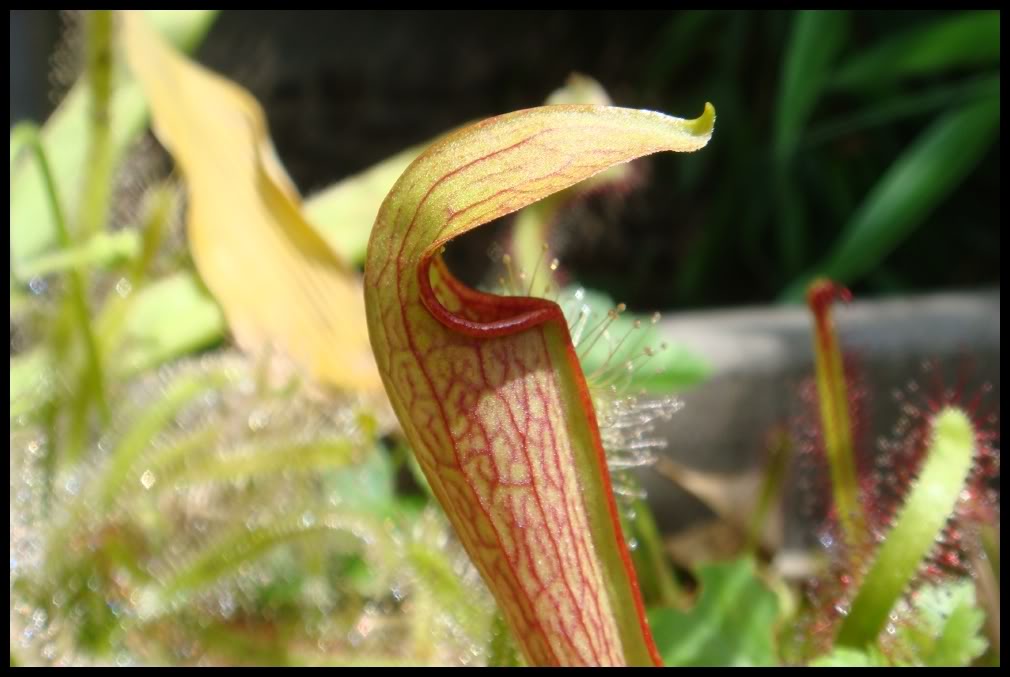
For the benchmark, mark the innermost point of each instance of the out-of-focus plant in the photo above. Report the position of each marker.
(844, 137)
(220, 509)
(905, 526)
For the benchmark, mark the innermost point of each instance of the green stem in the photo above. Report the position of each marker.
(101, 250)
(99, 163)
(159, 202)
(920, 522)
(27, 135)
(502, 652)
(655, 577)
(780, 448)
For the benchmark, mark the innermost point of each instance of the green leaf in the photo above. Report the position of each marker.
(946, 628)
(844, 657)
(903, 105)
(915, 184)
(656, 578)
(103, 249)
(314, 457)
(30, 380)
(153, 335)
(244, 544)
(918, 524)
(967, 39)
(834, 404)
(344, 212)
(816, 39)
(32, 226)
(369, 485)
(732, 624)
(171, 317)
(137, 438)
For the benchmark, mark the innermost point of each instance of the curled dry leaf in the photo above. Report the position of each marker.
(281, 286)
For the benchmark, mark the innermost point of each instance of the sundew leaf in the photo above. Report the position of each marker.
(919, 522)
(489, 390)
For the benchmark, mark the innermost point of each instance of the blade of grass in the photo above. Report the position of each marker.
(906, 105)
(92, 384)
(227, 553)
(966, 39)
(817, 38)
(915, 184)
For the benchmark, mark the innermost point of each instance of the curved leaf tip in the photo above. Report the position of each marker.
(489, 389)
(705, 123)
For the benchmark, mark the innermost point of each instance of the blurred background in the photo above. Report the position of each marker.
(815, 114)
(858, 145)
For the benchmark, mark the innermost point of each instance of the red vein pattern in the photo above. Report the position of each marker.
(489, 390)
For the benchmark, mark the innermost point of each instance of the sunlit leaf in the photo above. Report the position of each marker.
(154, 331)
(531, 232)
(345, 211)
(281, 286)
(834, 407)
(844, 657)
(230, 551)
(489, 390)
(946, 625)
(313, 457)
